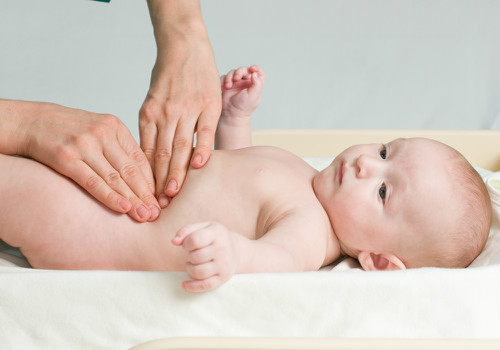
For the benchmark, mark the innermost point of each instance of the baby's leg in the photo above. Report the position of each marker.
(58, 225)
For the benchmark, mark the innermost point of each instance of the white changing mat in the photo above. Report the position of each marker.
(117, 310)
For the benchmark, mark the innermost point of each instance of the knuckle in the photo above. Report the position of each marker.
(149, 111)
(137, 156)
(65, 153)
(163, 155)
(93, 182)
(129, 171)
(97, 131)
(148, 198)
(194, 241)
(84, 140)
(199, 272)
(149, 152)
(110, 120)
(171, 107)
(110, 197)
(213, 104)
(206, 129)
(112, 178)
(181, 143)
(208, 284)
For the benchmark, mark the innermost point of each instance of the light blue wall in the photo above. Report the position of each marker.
(329, 64)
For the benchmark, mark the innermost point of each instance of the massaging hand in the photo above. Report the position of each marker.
(95, 150)
(241, 91)
(184, 98)
(212, 258)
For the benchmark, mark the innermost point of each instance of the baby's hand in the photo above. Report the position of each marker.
(241, 91)
(211, 256)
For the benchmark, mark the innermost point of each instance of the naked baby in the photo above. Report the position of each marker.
(409, 203)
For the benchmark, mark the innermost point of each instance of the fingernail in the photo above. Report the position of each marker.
(197, 159)
(142, 211)
(172, 185)
(154, 211)
(163, 200)
(124, 204)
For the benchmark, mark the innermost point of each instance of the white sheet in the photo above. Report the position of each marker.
(117, 310)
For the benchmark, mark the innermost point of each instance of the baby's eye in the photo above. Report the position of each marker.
(383, 153)
(381, 192)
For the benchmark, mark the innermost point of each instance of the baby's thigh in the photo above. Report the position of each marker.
(38, 204)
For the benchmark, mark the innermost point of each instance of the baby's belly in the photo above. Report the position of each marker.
(213, 196)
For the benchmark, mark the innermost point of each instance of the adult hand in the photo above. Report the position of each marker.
(97, 151)
(184, 96)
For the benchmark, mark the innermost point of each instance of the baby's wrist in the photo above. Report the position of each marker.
(232, 113)
(234, 119)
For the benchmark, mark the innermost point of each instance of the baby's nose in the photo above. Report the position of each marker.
(366, 166)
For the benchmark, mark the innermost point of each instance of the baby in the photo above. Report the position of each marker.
(409, 203)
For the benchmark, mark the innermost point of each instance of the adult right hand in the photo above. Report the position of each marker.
(184, 96)
(97, 151)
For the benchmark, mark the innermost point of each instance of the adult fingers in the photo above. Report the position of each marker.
(148, 130)
(139, 211)
(163, 155)
(182, 147)
(140, 192)
(205, 136)
(82, 174)
(137, 156)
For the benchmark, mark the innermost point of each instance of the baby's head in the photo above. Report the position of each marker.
(410, 203)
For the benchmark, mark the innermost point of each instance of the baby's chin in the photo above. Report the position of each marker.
(348, 251)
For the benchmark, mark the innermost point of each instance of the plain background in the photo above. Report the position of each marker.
(377, 64)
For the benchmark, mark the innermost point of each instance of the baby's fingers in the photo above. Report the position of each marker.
(228, 80)
(202, 255)
(201, 271)
(204, 285)
(255, 88)
(193, 236)
(240, 73)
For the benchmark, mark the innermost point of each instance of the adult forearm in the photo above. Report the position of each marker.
(15, 118)
(176, 20)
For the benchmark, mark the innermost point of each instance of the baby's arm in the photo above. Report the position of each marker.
(241, 93)
(215, 253)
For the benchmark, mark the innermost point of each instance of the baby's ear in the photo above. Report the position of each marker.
(380, 261)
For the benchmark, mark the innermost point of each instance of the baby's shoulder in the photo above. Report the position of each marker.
(298, 209)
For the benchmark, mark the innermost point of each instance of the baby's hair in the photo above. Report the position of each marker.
(467, 238)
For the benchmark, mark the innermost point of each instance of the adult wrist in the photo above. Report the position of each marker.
(13, 126)
(177, 21)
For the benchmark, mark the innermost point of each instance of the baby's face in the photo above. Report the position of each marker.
(378, 197)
